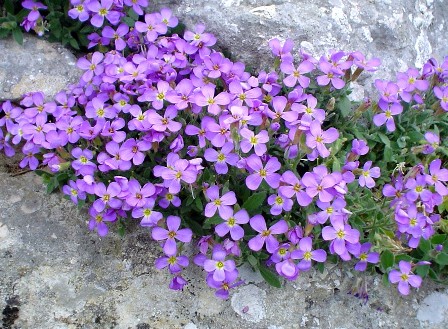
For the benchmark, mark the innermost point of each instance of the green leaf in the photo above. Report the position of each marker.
(132, 14)
(345, 106)
(269, 277)
(387, 260)
(388, 154)
(422, 270)
(18, 36)
(442, 259)
(438, 238)
(252, 260)
(424, 245)
(198, 204)
(336, 165)
(254, 202)
(384, 139)
(9, 6)
(129, 21)
(215, 220)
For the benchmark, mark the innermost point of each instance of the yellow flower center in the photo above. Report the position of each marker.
(171, 234)
(147, 212)
(266, 233)
(278, 200)
(307, 255)
(221, 157)
(160, 96)
(231, 222)
(219, 265)
(103, 12)
(253, 140)
(340, 234)
(98, 218)
(262, 172)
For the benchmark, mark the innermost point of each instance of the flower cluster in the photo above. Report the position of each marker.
(163, 129)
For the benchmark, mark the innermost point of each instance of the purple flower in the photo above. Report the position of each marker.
(279, 203)
(306, 254)
(320, 183)
(290, 185)
(258, 223)
(297, 74)
(365, 257)
(404, 277)
(437, 176)
(133, 150)
(166, 122)
(216, 64)
(260, 173)
(256, 141)
(331, 74)
(417, 189)
(98, 219)
(107, 196)
(138, 195)
(92, 67)
(368, 174)
(223, 287)
(339, 234)
(442, 94)
(222, 157)
(180, 171)
(222, 204)
(117, 36)
(433, 143)
(387, 116)
(137, 5)
(153, 26)
(316, 138)
(73, 191)
(34, 15)
(103, 9)
(359, 147)
(218, 265)
(171, 234)
(149, 217)
(309, 111)
(207, 98)
(173, 262)
(82, 164)
(29, 149)
(78, 11)
(230, 224)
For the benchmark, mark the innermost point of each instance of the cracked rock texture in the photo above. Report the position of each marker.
(35, 66)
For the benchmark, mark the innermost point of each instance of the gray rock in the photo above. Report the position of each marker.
(402, 33)
(37, 65)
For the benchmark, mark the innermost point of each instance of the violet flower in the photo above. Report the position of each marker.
(222, 204)
(266, 235)
(404, 277)
(218, 266)
(230, 224)
(306, 254)
(260, 173)
(171, 234)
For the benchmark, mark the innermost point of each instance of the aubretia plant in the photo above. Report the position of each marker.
(279, 169)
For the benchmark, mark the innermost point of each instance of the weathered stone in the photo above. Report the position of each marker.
(37, 65)
(402, 33)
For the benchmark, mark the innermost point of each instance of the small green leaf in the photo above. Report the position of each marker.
(424, 245)
(422, 270)
(215, 220)
(18, 36)
(252, 260)
(129, 21)
(387, 260)
(254, 202)
(442, 259)
(345, 106)
(384, 139)
(269, 277)
(438, 238)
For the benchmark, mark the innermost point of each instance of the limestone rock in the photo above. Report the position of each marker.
(37, 65)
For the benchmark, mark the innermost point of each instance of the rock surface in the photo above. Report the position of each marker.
(402, 33)
(37, 65)
(54, 273)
